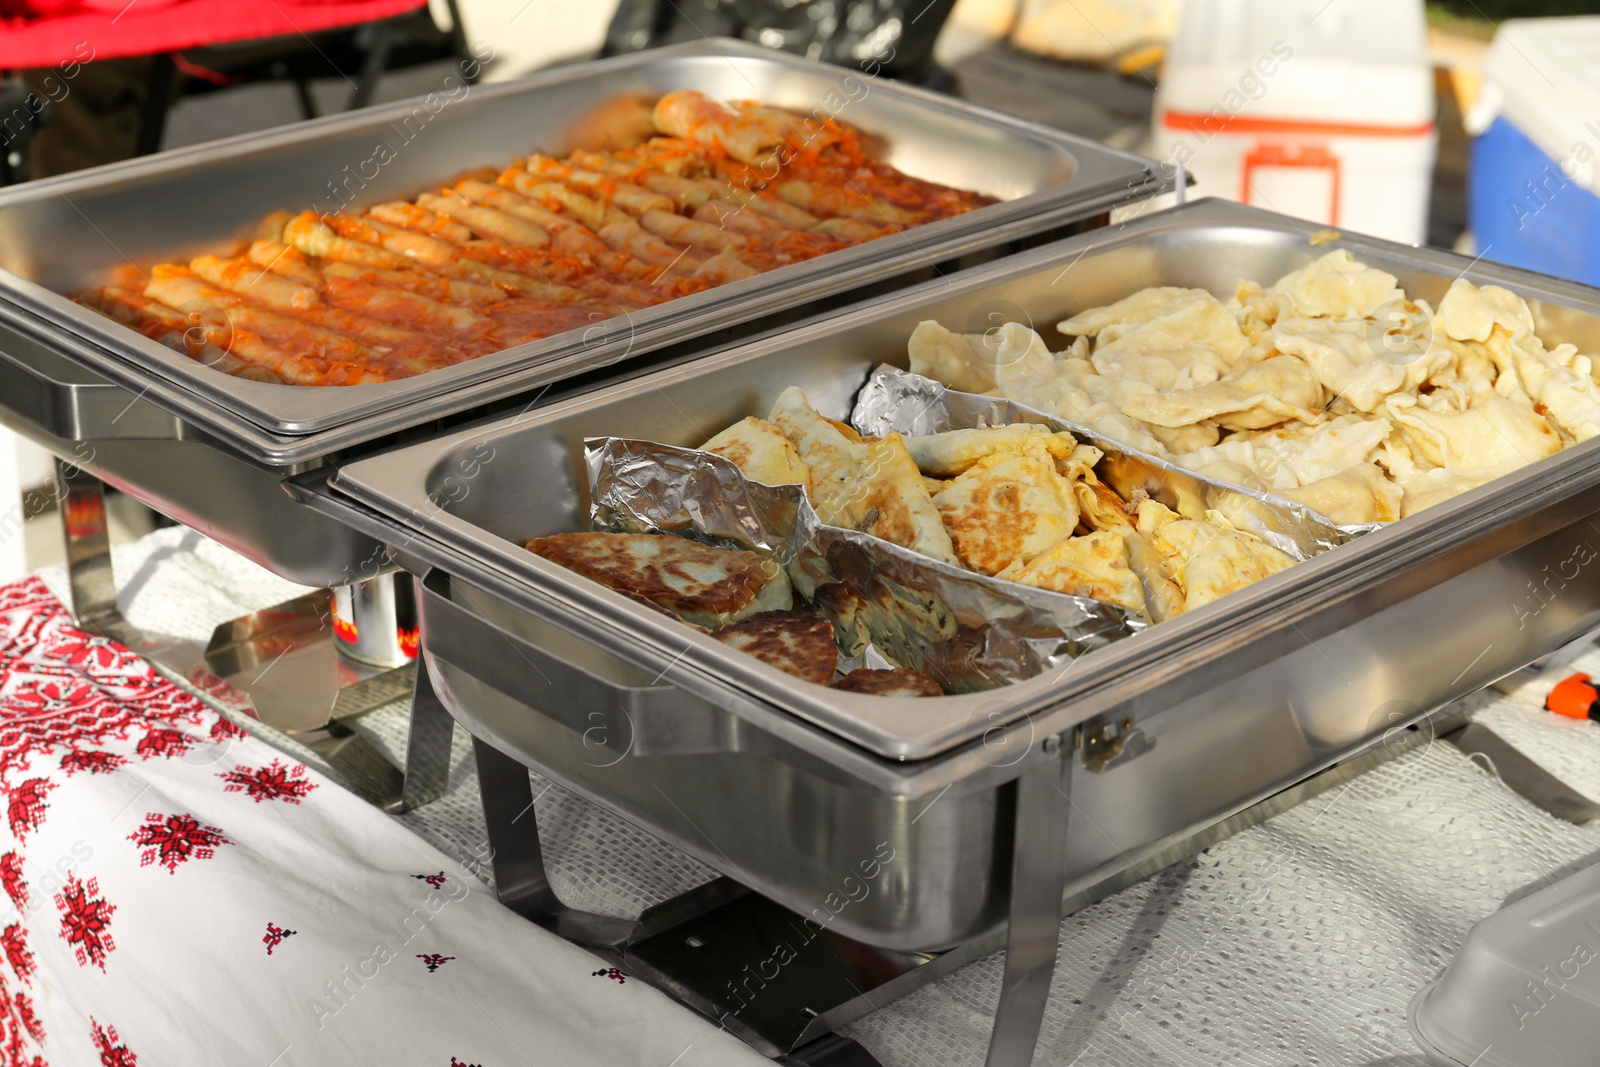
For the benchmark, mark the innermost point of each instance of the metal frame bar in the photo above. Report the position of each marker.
(1038, 880)
(1038, 884)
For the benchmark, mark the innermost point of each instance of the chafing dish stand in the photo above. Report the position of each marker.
(312, 702)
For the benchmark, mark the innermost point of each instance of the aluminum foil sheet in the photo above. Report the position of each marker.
(966, 630)
(897, 400)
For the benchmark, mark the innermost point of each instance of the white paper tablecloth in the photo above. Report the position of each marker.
(1297, 942)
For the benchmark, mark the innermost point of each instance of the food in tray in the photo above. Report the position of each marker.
(1021, 503)
(497, 258)
(743, 599)
(1330, 387)
(1017, 502)
(706, 586)
(798, 642)
(888, 682)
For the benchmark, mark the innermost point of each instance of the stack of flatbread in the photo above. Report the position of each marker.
(1329, 388)
(1018, 502)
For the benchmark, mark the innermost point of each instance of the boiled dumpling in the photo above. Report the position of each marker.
(1263, 394)
(1491, 439)
(1337, 286)
(1167, 338)
(1360, 494)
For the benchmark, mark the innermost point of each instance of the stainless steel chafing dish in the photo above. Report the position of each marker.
(787, 789)
(208, 449)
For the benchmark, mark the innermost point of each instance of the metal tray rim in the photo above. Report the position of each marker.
(1103, 175)
(911, 730)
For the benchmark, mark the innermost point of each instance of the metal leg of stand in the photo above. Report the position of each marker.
(89, 573)
(427, 744)
(1525, 777)
(518, 858)
(1038, 879)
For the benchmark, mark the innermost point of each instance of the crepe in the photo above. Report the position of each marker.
(762, 452)
(1097, 565)
(706, 586)
(870, 486)
(1006, 509)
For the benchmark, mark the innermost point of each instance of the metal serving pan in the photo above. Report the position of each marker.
(60, 235)
(780, 784)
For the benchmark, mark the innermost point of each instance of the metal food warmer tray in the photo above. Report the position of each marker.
(210, 450)
(884, 841)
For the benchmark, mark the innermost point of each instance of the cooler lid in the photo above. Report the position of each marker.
(1543, 75)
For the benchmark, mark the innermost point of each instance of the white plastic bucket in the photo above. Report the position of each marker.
(1326, 116)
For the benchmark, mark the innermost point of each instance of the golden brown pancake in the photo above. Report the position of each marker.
(796, 642)
(896, 682)
(700, 584)
(762, 452)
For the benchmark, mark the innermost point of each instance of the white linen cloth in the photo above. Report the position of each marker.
(180, 893)
(1299, 941)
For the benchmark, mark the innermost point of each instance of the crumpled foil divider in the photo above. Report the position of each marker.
(969, 631)
(894, 400)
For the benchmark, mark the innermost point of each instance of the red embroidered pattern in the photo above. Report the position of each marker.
(15, 943)
(433, 880)
(272, 782)
(620, 977)
(80, 702)
(30, 1021)
(11, 877)
(457, 1063)
(106, 1041)
(93, 762)
(175, 839)
(86, 921)
(223, 730)
(26, 807)
(275, 936)
(63, 690)
(163, 743)
(435, 961)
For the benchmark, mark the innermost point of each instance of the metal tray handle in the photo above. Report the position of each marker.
(607, 712)
(67, 399)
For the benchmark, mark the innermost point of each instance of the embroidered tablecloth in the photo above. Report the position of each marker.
(178, 892)
(1299, 941)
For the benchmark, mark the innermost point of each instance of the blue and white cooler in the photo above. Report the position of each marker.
(1534, 188)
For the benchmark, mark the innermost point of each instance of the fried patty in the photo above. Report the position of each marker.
(897, 682)
(798, 642)
(698, 583)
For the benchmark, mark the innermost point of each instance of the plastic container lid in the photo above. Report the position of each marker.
(1524, 990)
(1360, 63)
(1543, 75)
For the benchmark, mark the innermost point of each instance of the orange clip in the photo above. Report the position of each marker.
(1575, 698)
